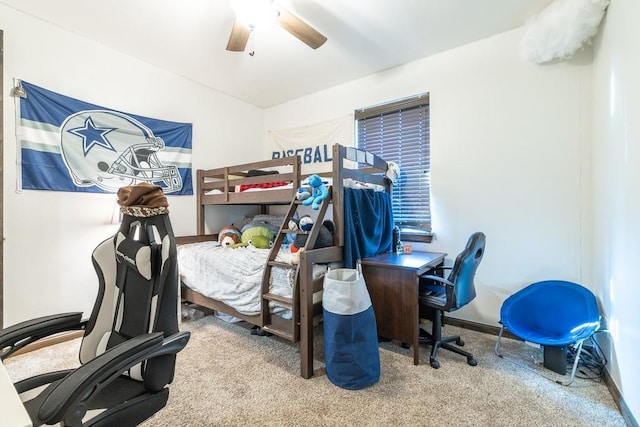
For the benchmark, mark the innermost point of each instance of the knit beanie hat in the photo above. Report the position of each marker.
(142, 200)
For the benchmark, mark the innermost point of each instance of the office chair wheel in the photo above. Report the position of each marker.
(460, 342)
(434, 363)
(471, 361)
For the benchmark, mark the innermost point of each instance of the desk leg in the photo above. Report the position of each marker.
(416, 332)
(306, 320)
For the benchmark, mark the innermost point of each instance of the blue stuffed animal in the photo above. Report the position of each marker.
(302, 194)
(319, 192)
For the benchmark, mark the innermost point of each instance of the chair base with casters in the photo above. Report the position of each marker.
(551, 313)
(437, 341)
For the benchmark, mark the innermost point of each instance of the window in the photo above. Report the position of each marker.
(399, 131)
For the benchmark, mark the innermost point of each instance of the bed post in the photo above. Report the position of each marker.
(338, 194)
(200, 207)
(306, 318)
(297, 170)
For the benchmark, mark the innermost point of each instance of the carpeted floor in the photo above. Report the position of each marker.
(228, 377)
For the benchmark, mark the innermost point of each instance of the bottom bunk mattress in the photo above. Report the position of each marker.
(234, 276)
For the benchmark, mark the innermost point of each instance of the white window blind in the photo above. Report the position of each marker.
(399, 132)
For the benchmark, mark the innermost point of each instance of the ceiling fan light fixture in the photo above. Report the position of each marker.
(255, 14)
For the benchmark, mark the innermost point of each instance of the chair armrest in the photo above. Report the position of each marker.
(21, 334)
(173, 344)
(66, 401)
(439, 279)
(448, 288)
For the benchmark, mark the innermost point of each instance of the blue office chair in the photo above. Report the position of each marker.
(553, 314)
(439, 296)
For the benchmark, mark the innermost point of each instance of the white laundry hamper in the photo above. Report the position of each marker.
(351, 350)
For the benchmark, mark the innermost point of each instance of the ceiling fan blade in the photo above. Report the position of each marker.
(239, 37)
(297, 27)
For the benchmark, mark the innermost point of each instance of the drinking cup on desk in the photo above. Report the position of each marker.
(407, 249)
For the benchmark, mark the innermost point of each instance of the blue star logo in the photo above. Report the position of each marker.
(93, 136)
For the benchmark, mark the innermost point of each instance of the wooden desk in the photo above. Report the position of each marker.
(392, 281)
(12, 411)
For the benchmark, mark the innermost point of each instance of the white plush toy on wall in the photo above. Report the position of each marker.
(393, 172)
(561, 29)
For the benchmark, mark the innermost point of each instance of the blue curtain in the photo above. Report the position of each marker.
(368, 224)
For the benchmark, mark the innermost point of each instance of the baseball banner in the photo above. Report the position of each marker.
(313, 142)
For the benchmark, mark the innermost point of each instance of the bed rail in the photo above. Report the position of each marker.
(218, 186)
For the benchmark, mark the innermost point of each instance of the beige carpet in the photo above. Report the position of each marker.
(227, 377)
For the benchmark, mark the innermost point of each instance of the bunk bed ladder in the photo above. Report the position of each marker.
(277, 325)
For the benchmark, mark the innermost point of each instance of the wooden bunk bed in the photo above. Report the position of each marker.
(218, 187)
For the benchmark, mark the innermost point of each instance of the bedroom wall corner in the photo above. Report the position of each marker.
(616, 185)
(50, 235)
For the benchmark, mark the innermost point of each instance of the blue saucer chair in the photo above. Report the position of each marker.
(553, 314)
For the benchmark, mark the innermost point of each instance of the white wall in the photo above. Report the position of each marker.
(50, 235)
(616, 184)
(510, 157)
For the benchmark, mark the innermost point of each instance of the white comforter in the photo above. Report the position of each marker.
(233, 276)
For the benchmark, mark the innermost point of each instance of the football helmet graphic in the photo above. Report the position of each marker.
(111, 150)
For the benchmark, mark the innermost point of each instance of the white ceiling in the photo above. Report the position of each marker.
(189, 37)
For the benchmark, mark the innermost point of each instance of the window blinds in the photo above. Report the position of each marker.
(399, 132)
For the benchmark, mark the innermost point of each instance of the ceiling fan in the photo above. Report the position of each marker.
(250, 14)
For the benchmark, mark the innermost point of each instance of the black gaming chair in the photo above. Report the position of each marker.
(131, 339)
(439, 296)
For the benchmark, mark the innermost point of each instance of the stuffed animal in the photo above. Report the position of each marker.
(294, 225)
(305, 223)
(319, 192)
(229, 235)
(302, 194)
(324, 239)
(259, 237)
(393, 172)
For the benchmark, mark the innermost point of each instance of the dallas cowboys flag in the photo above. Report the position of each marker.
(71, 145)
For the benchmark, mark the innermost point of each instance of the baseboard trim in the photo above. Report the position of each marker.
(494, 330)
(478, 327)
(617, 397)
(52, 340)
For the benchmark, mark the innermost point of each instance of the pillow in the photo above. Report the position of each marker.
(272, 222)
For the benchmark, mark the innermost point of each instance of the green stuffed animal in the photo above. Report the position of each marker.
(260, 237)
